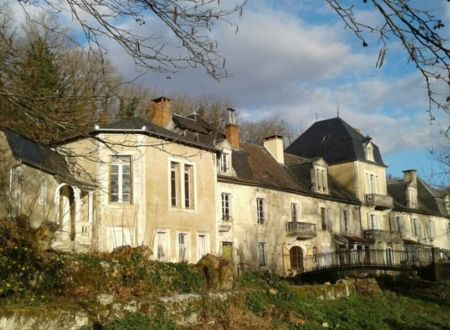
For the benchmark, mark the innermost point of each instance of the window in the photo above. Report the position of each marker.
(224, 163)
(412, 197)
(202, 245)
(294, 212)
(183, 247)
(162, 245)
(227, 250)
(369, 152)
(119, 236)
(321, 179)
(373, 221)
(371, 183)
(262, 254)
(226, 215)
(120, 190)
(42, 192)
(260, 210)
(323, 218)
(174, 184)
(345, 221)
(431, 229)
(415, 227)
(181, 185)
(188, 186)
(448, 230)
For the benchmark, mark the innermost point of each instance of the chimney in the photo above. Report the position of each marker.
(410, 176)
(161, 112)
(232, 129)
(274, 145)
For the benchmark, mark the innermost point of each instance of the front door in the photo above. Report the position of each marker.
(296, 259)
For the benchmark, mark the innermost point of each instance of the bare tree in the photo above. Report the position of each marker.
(189, 21)
(421, 32)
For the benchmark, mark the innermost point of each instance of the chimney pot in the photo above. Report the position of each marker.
(410, 176)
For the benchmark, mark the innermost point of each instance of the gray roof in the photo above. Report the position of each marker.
(139, 125)
(34, 154)
(429, 200)
(255, 166)
(335, 141)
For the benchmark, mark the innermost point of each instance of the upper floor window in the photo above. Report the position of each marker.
(226, 199)
(225, 162)
(188, 186)
(412, 197)
(373, 221)
(345, 221)
(369, 152)
(415, 227)
(323, 218)
(371, 183)
(431, 229)
(120, 180)
(260, 210)
(321, 179)
(181, 185)
(396, 223)
(294, 217)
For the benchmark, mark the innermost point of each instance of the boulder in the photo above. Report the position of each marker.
(218, 272)
(367, 287)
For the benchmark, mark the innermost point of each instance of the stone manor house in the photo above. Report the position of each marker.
(176, 184)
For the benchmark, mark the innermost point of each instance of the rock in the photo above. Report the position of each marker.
(105, 299)
(325, 325)
(327, 283)
(218, 272)
(272, 291)
(367, 287)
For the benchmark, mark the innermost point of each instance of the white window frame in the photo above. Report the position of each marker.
(373, 221)
(225, 162)
(120, 178)
(345, 221)
(225, 199)
(260, 210)
(200, 253)
(186, 256)
(167, 245)
(180, 183)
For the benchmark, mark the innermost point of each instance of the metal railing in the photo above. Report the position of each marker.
(301, 228)
(386, 235)
(402, 259)
(383, 201)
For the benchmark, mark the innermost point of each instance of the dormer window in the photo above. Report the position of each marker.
(321, 179)
(225, 163)
(412, 197)
(369, 152)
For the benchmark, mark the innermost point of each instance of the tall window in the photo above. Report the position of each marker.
(369, 152)
(262, 254)
(162, 245)
(174, 184)
(224, 164)
(202, 245)
(448, 230)
(431, 229)
(188, 186)
(345, 220)
(183, 247)
(120, 190)
(371, 183)
(415, 227)
(226, 214)
(260, 210)
(321, 180)
(373, 221)
(294, 212)
(323, 218)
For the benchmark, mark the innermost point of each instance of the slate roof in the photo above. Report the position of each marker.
(134, 125)
(429, 200)
(34, 154)
(335, 141)
(255, 166)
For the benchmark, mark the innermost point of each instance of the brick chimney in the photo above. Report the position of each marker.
(232, 129)
(161, 112)
(410, 176)
(274, 145)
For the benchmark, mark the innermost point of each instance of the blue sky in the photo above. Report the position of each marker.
(295, 59)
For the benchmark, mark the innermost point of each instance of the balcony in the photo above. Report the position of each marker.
(381, 202)
(302, 230)
(225, 225)
(383, 235)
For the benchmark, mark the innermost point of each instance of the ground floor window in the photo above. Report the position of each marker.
(262, 254)
(162, 245)
(296, 257)
(119, 236)
(202, 245)
(227, 250)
